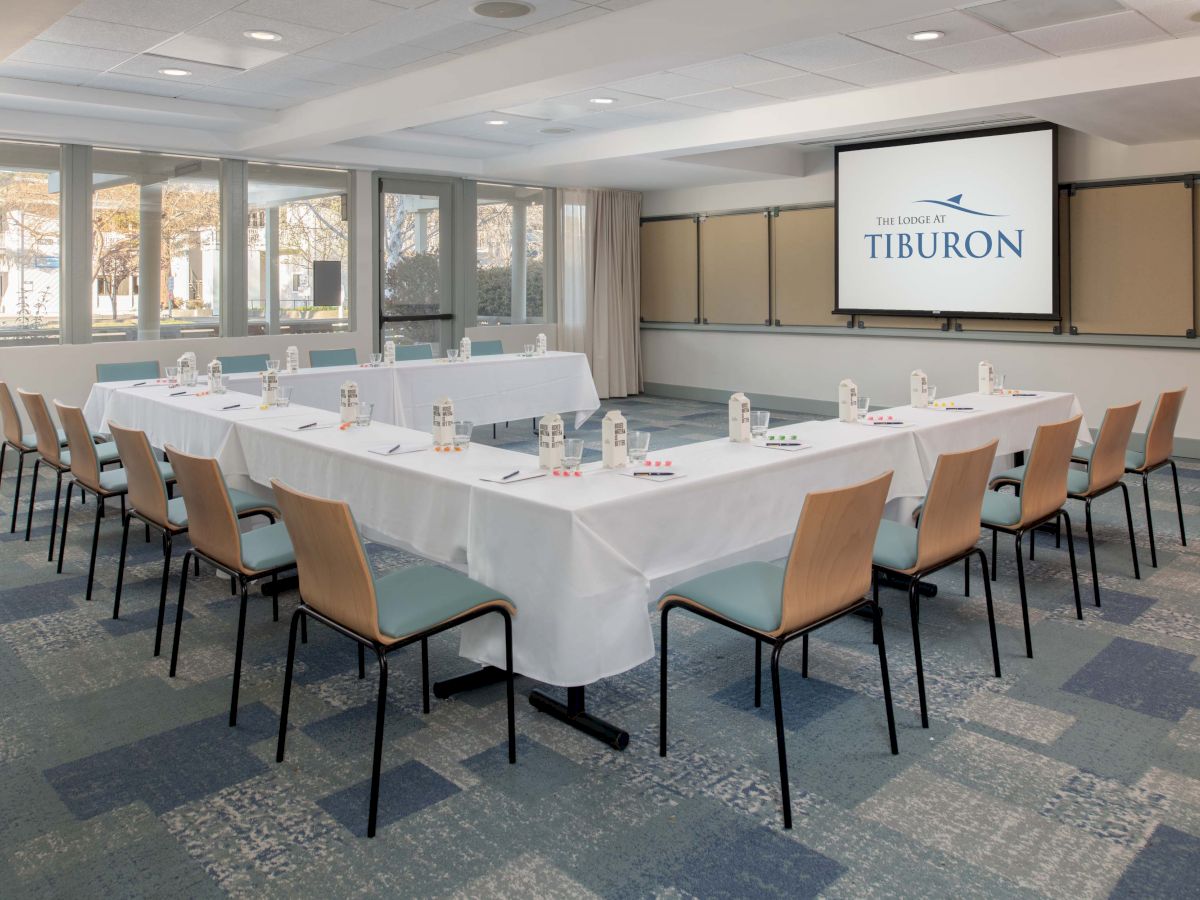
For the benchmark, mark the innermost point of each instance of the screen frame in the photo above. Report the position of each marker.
(1056, 312)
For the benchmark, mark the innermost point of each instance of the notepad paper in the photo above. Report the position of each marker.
(789, 446)
(664, 477)
(522, 475)
(402, 447)
(300, 426)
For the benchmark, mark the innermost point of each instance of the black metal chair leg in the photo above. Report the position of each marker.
(275, 597)
(121, 567)
(779, 737)
(1024, 599)
(287, 686)
(916, 633)
(1087, 513)
(237, 654)
(1178, 503)
(377, 760)
(662, 685)
(37, 464)
(1032, 542)
(1137, 570)
(95, 544)
(887, 684)
(1074, 571)
(1149, 519)
(757, 673)
(12, 527)
(967, 576)
(183, 579)
(162, 591)
(804, 656)
(54, 518)
(875, 599)
(509, 689)
(304, 630)
(362, 661)
(994, 553)
(62, 541)
(425, 676)
(991, 613)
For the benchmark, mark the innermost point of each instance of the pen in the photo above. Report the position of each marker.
(511, 475)
(785, 444)
(178, 393)
(653, 474)
(885, 423)
(309, 425)
(956, 408)
(231, 406)
(137, 384)
(392, 450)
(1022, 395)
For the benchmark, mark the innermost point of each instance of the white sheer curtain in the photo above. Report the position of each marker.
(599, 296)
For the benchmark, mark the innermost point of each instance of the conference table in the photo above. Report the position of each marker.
(582, 557)
(486, 390)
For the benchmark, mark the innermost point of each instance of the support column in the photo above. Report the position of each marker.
(76, 236)
(232, 292)
(150, 262)
(519, 264)
(271, 285)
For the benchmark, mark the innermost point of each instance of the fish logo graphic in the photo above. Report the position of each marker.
(955, 203)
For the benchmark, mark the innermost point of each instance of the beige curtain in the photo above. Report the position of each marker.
(599, 297)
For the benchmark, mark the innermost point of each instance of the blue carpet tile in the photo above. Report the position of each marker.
(1075, 775)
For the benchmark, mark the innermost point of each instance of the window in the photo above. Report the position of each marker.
(415, 275)
(155, 246)
(298, 241)
(510, 254)
(29, 244)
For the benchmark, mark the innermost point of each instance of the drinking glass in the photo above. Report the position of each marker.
(452, 354)
(364, 412)
(272, 365)
(999, 384)
(529, 348)
(283, 396)
(760, 419)
(216, 384)
(572, 453)
(376, 360)
(639, 445)
(932, 393)
(172, 376)
(864, 406)
(462, 434)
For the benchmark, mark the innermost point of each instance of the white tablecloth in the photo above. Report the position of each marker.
(485, 389)
(581, 557)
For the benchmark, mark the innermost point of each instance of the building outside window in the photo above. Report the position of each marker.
(511, 254)
(30, 252)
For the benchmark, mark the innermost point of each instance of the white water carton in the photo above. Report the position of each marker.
(270, 388)
(292, 359)
(540, 344)
(848, 401)
(987, 378)
(348, 401)
(615, 440)
(550, 441)
(187, 369)
(464, 348)
(918, 389)
(739, 418)
(389, 352)
(216, 377)
(443, 422)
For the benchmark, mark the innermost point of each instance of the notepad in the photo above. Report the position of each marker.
(522, 475)
(307, 426)
(652, 475)
(787, 446)
(399, 448)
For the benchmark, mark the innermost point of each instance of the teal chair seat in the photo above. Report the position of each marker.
(267, 548)
(105, 454)
(1077, 479)
(242, 501)
(1000, 509)
(1135, 457)
(127, 371)
(117, 480)
(319, 359)
(30, 440)
(414, 351)
(750, 594)
(236, 365)
(417, 598)
(895, 546)
(486, 348)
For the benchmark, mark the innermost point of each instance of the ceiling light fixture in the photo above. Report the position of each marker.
(175, 73)
(602, 101)
(256, 35)
(502, 9)
(496, 122)
(922, 36)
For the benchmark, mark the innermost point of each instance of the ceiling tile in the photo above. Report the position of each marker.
(729, 99)
(257, 82)
(28, 71)
(885, 71)
(225, 97)
(1091, 34)
(956, 27)
(665, 111)
(571, 18)
(343, 74)
(664, 85)
(134, 85)
(377, 48)
(1175, 16)
(496, 40)
(49, 53)
(620, 4)
(579, 104)
(147, 66)
(797, 87)
(453, 36)
(164, 15)
(240, 55)
(602, 121)
(342, 16)
(1001, 50)
(105, 35)
(229, 27)
(515, 131)
(1020, 15)
(823, 53)
(543, 10)
(736, 70)
(424, 62)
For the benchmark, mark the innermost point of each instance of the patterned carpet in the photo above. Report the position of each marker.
(1075, 775)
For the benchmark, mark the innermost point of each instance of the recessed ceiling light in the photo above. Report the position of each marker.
(602, 101)
(502, 9)
(496, 122)
(263, 35)
(175, 73)
(557, 130)
(926, 35)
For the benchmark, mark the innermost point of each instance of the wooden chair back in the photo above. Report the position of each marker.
(950, 518)
(9, 417)
(43, 427)
(1160, 436)
(1044, 487)
(212, 523)
(1107, 465)
(85, 465)
(147, 489)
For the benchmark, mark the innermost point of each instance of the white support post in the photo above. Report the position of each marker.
(150, 262)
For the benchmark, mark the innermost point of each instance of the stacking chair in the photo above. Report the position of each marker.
(236, 365)
(14, 437)
(947, 531)
(382, 614)
(50, 441)
(1151, 452)
(216, 539)
(414, 351)
(1043, 493)
(826, 577)
(150, 502)
(487, 348)
(319, 359)
(127, 371)
(87, 476)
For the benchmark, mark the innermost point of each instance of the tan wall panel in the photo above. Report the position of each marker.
(735, 269)
(1131, 259)
(803, 241)
(670, 287)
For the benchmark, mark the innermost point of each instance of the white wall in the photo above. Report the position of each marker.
(809, 366)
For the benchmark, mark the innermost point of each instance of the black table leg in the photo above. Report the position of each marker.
(471, 681)
(574, 713)
(900, 583)
(277, 586)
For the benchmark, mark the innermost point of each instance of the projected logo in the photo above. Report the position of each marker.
(942, 240)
